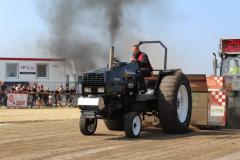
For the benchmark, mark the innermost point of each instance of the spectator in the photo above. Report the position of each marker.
(24, 89)
(13, 88)
(57, 96)
(40, 96)
(67, 94)
(18, 88)
(34, 96)
(46, 94)
(3, 94)
(50, 98)
(72, 93)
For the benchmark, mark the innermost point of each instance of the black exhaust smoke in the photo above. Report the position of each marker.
(82, 30)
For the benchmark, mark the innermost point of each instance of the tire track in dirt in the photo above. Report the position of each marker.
(62, 140)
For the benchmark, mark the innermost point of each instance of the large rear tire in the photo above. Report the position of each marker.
(87, 125)
(115, 125)
(175, 103)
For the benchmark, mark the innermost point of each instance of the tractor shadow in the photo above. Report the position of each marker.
(158, 134)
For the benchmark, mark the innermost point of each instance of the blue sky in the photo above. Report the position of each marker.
(190, 29)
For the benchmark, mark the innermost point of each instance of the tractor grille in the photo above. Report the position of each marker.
(93, 78)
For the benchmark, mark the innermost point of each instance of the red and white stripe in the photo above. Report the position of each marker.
(218, 97)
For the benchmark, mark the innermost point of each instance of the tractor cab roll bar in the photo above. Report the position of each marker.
(159, 42)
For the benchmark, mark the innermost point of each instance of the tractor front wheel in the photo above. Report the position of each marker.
(132, 125)
(87, 125)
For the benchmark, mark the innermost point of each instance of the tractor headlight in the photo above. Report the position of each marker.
(87, 90)
(100, 90)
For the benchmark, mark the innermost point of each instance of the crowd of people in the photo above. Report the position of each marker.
(40, 96)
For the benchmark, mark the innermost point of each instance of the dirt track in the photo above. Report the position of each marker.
(60, 139)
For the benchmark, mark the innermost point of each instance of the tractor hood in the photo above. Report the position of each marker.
(112, 79)
(99, 70)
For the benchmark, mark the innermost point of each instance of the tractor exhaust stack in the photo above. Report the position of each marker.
(111, 55)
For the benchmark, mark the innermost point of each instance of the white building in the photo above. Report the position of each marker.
(51, 72)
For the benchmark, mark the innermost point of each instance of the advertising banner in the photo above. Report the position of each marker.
(17, 100)
(217, 108)
(27, 68)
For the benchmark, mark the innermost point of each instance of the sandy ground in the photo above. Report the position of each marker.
(53, 134)
(21, 115)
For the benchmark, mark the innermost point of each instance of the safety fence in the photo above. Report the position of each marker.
(38, 100)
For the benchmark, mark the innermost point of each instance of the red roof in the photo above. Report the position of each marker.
(31, 59)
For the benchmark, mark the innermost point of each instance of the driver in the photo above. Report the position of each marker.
(235, 69)
(143, 60)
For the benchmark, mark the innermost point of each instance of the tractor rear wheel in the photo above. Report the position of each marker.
(175, 103)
